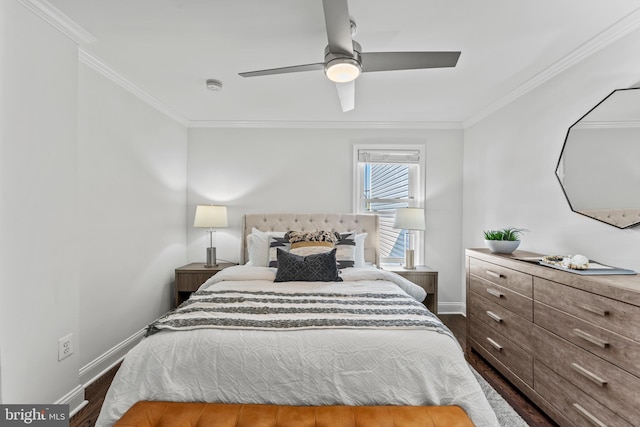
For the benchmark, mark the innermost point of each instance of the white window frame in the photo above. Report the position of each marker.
(417, 191)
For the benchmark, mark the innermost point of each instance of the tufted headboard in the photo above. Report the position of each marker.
(339, 222)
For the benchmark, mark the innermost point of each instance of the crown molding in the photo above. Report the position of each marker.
(621, 28)
(271, 124)
(95, 63)
(59, 21)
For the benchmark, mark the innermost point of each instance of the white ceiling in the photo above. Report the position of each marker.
(168, 48)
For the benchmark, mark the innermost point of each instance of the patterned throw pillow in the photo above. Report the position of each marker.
(276, 243)
(346, 250)
(312, 236)
(313, 268)
(310, 248)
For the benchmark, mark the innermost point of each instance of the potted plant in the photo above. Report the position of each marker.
(503, 241)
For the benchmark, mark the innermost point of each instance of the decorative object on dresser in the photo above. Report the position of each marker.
(211, 217)
(423, 276)
(189, 278)
(570, 342)
(503, 241)
(409, 220)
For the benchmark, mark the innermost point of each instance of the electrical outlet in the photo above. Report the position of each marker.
(65, 347)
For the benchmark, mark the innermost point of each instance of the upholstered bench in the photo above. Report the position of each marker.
(177, 414)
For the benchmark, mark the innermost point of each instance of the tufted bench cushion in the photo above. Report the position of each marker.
(191, 414)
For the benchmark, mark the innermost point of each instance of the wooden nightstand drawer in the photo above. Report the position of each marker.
(505, 277)
(190, 282)
(423, 276)
(191, 276)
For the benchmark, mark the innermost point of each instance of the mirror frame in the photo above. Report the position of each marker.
(564, 146)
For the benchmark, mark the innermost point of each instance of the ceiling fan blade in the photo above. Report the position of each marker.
(338, 23)
(284, 70)
(387, 61)
(347, 95)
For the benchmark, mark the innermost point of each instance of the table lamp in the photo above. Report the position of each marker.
(409, 219)
(211, 217)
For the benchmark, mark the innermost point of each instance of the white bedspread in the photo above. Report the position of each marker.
(299, 367)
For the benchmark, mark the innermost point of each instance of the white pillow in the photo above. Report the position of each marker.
(360, 238)
(258, 246)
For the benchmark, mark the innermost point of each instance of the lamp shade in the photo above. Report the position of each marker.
(409, 219)
(209, 216)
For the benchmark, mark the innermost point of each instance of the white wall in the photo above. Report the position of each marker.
(92, 211)
(311, 170)
(510, 159)
(38, 207)
(132, 197)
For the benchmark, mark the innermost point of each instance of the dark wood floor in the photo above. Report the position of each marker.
(457, 323)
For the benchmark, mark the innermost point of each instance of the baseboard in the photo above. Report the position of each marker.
(75, 400)
(103, 363)
(452, 308)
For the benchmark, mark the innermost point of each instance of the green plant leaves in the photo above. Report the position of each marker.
(509, 233)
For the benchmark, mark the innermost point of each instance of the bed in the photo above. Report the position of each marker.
(254, 333)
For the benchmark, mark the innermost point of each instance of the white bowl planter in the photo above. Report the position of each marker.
(502, 246)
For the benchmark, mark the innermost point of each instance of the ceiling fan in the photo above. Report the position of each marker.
(344, 59)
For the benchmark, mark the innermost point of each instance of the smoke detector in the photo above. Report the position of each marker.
(214, 85)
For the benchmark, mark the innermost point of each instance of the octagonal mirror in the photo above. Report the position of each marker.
(599, 166)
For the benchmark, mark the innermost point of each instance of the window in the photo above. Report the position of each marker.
(387, 178)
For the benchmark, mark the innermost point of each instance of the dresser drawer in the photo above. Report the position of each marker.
(505, 277)
(519, 361)
(614, 315)
(509, 324)
(518, 303)
(615, 348)
(611, 386)
(572, 402)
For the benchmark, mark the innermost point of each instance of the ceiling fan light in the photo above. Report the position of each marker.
(342, 70)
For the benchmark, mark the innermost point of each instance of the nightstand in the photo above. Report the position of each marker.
(423, 276)
(189, 278)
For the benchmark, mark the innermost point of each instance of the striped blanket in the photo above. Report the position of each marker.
(302, 306)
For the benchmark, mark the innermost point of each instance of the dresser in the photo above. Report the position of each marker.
(570, 342)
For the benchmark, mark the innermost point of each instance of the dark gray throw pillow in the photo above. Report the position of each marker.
(312, 268)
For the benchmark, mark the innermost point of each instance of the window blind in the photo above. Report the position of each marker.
(389, 156)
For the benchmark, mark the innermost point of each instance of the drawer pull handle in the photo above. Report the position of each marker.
(494, 344)
(589, 416)
(588, 375)
(588, 337)
(494, 274)
(494, 316)
(594, 310)
(496, 293)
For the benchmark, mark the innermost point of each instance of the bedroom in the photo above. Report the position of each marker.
(109, 240)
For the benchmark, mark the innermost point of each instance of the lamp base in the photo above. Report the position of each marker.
(409, 260)
(211, 258)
